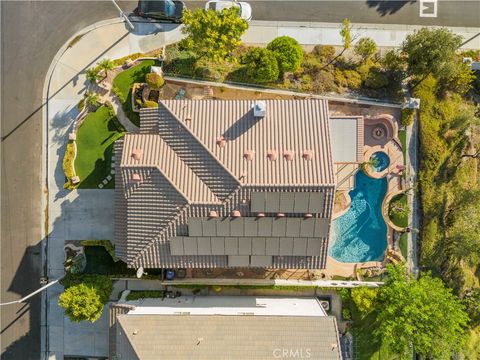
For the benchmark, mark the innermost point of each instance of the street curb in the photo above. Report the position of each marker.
(44, 202)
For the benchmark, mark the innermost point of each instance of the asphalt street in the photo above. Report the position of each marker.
(31, 34)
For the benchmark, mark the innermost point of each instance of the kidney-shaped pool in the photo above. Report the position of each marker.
(360, 234)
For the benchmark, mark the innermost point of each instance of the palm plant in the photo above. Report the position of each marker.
(91, 99)
(106, 65)
(92, 75)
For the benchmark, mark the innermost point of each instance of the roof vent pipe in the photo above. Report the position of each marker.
(307, 154)
(221, 142)
(288, 155)
(308, 216)
(248, 155)
(137, 154)
(136, 177)
(260, 108)
(261, 215)
(280, 215)
(272, 154)
(212, 214)
(236, 214)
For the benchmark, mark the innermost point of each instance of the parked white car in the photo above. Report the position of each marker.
(219, 5)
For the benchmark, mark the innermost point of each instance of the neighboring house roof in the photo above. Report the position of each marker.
(217, 327)
(192, 158)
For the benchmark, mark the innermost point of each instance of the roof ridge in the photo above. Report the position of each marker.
(195, 137)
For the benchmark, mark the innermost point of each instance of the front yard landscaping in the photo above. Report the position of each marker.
(122, 85)
(95, 140)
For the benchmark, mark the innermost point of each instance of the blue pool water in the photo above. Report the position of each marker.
(360, 234)
(381, 161)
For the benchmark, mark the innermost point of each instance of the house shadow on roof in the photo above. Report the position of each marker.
(387, 7)
(241, 126)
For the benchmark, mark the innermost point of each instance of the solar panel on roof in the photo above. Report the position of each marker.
(293, 227)
(301, 202)
(279, 227)
(272, 202)
(321, 227)
(272, 246)
(265, 226)
(190, 245)
(176, 245)
(299, 246)
(223, 227)
(231, 246)
(287, 202)
(257, 202)
(313, 246)
(258, 246)
(245, 246)
(239, 260)
(251, 227)
(307, 227)
(237, 226)
(203, 244)
(316, 202)
(195, 226)
(218, 245)
(261, 261)
(286, 246)
(209, 227)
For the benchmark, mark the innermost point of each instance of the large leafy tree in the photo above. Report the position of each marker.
(288, 52)
(85, 296)
(261, 65)
(365, 48)
(420, 313)
(430, 51)
(213, 34)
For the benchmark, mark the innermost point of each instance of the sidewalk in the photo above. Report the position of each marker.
(309, 33)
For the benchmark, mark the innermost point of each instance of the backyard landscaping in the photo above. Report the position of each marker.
(123, 83)
(95, 141)
(398, 210)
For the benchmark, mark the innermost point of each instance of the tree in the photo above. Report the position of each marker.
(346, 34)
(288, 52)
(85, 296)
(430, 51)
(154, 80)
(407, 117)
(364, 299)
(365, 48)
(106, 65)
(213, 34)
(91, 99)
(420, 313)
(261, 65)
(92, 75)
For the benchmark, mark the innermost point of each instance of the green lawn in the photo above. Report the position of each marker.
(95, 139)
(403, 245)
(399, 219)
(122, 85)
(402, 135)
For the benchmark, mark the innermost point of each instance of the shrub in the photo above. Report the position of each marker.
(68, 160)
(105, 243)
(92, 75)
(261, 65)
(149, 104)
(406, 118)
(85, 296)
(288, 52)
(324, 82)
(364, 298)
(121, 61)
(346, 314)
(145, 294)
(353, 79)
(208, 72)
(376, 79)
(154, 80)
(365, 48)
(325, 53)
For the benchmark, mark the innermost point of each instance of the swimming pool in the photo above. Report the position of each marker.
(381, 161)
(360, 234)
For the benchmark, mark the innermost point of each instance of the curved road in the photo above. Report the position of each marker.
(31, 34)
